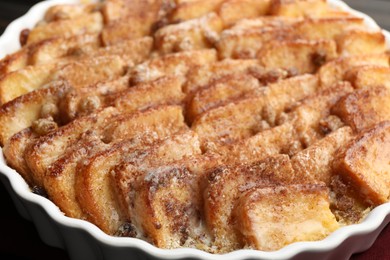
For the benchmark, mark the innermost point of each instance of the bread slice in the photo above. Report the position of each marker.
(270, 218)
(366, 169)
(73, 48)
(355, 42)
(308, 116)
(286, 137)
(334, 71)
(347, 204)
(17, 83)
(232, 11)
(118, 93)
(202, 75)
(110, 125)
(114, 10)
(59, 177)
(89, 23)
(13, 152)
(130, 19)
(28, 108)
(59, 47)
(225, 184)
(48, 148)
(316, 161)
(193, 34)
(68, 11)
(90, 71)
(166, 90)
(300, 56)
(186, 10)
(240, 119)
(240, 42)
(15, 61)
(176, 64)
(268, 142)
(121, 30)
(88, 99)
(164, 201)
(75, 73)
(368, 76)
(220, 92)
(159, 120)
(364, 108)
(131, 51)
(269, 22)
(327, 28)
(299, 8)
(95, 191)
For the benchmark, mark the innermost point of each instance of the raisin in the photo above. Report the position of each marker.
(39, 191)
(318, 59)
(126, 230)
(23, 37)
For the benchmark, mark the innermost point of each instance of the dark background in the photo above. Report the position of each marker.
(18, 237)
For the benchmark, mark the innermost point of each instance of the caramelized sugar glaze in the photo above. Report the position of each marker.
(217, 125)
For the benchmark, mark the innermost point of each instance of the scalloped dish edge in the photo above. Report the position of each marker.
(337, 245)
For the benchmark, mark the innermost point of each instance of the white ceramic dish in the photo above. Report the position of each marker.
(85, 241)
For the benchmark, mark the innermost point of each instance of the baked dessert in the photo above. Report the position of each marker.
(194, 126)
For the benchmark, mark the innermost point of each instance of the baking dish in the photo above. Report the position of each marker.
(84, 240)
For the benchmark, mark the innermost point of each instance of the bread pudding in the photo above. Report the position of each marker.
(216, 125)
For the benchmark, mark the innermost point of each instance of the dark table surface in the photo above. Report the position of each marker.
(20, 240)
